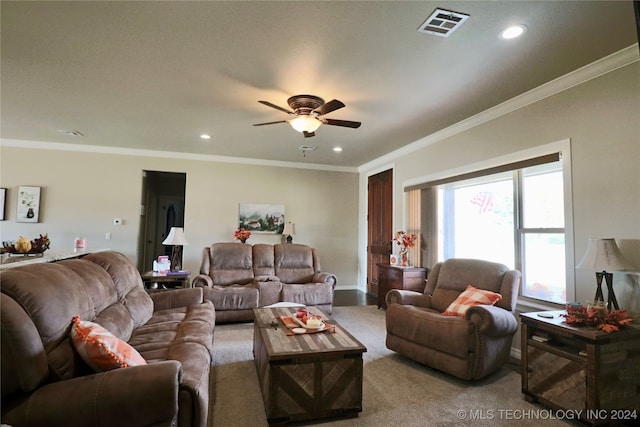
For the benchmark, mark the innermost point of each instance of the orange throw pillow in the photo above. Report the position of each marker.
(101, 349)
(470, 297)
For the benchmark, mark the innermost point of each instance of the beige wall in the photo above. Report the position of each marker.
(82, 192)
(600, 117)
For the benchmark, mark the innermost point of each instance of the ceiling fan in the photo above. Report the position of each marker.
(308, 112)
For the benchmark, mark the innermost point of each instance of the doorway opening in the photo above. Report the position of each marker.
(161, 207)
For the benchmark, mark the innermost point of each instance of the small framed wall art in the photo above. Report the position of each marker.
(28, 209)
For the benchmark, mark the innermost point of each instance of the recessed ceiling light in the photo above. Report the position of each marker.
(205, 136)
(513, 31)
(337, 149)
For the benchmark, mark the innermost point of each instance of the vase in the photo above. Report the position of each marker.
(30, 213)
(243, 240)
(404, 258)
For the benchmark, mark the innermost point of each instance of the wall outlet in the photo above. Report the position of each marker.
(107, 236)
(117, 221)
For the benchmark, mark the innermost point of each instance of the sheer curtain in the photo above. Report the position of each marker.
(414, 217)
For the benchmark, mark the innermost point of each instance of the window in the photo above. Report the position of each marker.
(515, 218)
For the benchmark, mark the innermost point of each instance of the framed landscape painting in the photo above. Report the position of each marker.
(261, 218)
(28, 209)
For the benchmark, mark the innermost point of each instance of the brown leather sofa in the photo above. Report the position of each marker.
(469, 347)
(46, 383)
(237, 277)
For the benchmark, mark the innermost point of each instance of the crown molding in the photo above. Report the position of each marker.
(57, 146)
(590, 71)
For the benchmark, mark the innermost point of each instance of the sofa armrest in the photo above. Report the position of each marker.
(326, 278)
(405, 297)
(176, 298)
(134, 396)
(202, 281)
(491, 320)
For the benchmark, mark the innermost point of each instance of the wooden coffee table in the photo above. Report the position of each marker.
(307, 376)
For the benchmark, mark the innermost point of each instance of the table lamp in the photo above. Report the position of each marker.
(602, 255)
(177, 240)
(289, 231)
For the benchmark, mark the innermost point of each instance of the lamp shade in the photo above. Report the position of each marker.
(602, 255)
(289, 229)
(305, 123)
(176, 237)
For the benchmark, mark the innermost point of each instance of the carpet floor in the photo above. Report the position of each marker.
(396, 390)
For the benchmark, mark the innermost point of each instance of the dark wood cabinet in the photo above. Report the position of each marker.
(397, 277)
(581, 369)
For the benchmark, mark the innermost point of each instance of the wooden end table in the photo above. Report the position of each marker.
(307, 376)
(162, 281)
(398, 277)
(583, 369)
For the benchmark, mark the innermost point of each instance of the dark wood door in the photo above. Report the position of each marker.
(380, 223)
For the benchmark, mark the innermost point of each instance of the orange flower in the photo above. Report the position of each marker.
(241, 233)
(608, 328)
(403, 239)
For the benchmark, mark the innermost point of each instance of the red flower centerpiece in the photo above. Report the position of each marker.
(241, 234)
(407, 242)
(606, 321)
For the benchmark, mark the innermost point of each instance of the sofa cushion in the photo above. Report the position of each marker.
(263, 260)
(447, 334)
(451, 277)
(233, 297)
(231, 263)
(470, 297)
(309, 294)
(101, 349)
(294, 263)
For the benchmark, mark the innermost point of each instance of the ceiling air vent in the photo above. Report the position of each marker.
(442, 22)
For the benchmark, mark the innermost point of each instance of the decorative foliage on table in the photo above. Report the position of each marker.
(241, 234)
(25, 246)
(606, 321)
(407, 242)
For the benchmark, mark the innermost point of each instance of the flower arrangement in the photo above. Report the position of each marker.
(405, 240)
(241, 234)
(606, 321)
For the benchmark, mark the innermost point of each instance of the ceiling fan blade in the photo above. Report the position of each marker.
(328, 107)
(344, 123)
(268, 104)
(308, 134)
(270, 123)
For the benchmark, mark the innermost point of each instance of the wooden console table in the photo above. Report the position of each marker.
(594, 373)
(397, 277)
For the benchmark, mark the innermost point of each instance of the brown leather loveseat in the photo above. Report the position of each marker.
(238, 277)
(46, 383)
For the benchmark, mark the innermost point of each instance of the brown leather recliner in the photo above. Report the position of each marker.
(469, 347)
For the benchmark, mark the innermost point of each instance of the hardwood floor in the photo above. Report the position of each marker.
(352, 297)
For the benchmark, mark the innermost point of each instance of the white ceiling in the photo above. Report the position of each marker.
(155, 75)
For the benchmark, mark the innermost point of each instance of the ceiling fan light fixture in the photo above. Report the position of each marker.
(305, 123)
